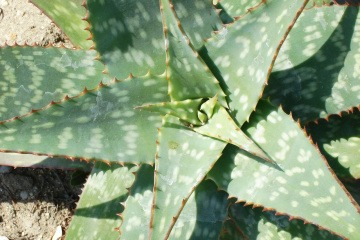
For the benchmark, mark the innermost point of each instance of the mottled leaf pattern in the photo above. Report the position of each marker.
(29, 160)
(203, 214)
(221, 126)
(348, 153)
(334, 130)
(136, 216)
(210, 98)
(301, 186)
(237, 8)
(258, 224)
(319, 81)
(68, 15)
(243, 52)
(189, 77)
(129, 34)
(32, 77)
(183, 160)
(94, 125)
(96, 213)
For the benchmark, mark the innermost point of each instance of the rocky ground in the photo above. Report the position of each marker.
(34, 203)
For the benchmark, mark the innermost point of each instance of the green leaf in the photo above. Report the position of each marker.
(255, 223)
(68, 16)
(199, 19)
(338, 130)
(96, 213)
(129, 34)
(136, 216)
(221, 126)
(183, 159)
(100, 124)
(32, 77)
(241, 55)
(237, 8)
(185, 110)
(319, 81)
(348, 153)
(188, 75)
(203, 214)
(301, 187)
(29, 160)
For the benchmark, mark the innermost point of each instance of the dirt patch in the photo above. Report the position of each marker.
(22, 22)
(34, 203)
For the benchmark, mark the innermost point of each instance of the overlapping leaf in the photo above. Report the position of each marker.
(343, 132)
(237, 8)
(256, 224)
(100, 124)
(301, 186)
(319, 81)
(32, 77)
(242, 53)
(348, 153)
(96, 213)
(183, 159)
(129, 34)
(188, 76)
(203, 214)
(136, 216)
(68, 15)
(29, 160)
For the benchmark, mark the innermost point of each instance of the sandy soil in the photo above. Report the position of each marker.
(34, 203)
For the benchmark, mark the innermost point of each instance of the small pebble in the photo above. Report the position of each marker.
(57, 234)
(3, 3)
(3, 238)
(5, 169)
(24, 195)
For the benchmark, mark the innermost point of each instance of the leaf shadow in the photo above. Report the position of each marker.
(303, 89)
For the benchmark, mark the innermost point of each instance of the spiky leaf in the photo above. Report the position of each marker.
(203, 214)
(189, 77)
(254, 223)
(100, 124)
(183, 160)
(29, 160)
(68, 15)
(301, 186)
(327, 80)
(136, 216)
(348, 153)
(95, 216)
(32, 77)
(241, 55)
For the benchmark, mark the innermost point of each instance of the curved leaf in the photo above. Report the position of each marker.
(183, 159)
(255, 223)
(32, 77)
(69, 17)
(96, 213)
(188, 76)
(129, 34)
(33, 161)
(136, 216)
(241, 55)
(203, 214)
(348, 153)
(237, 8)
(100, 124)
(328, 81)
(302, 186)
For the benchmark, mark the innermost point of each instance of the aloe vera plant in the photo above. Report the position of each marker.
(195, 116)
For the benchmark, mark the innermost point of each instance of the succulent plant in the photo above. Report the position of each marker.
(195, 116)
